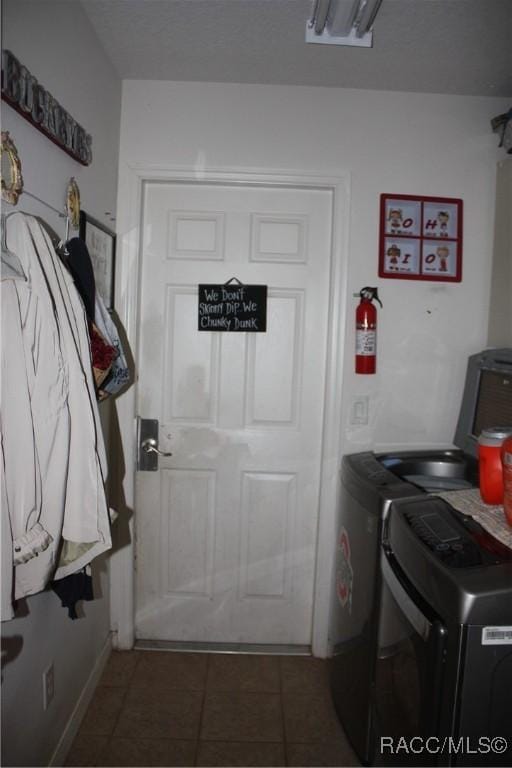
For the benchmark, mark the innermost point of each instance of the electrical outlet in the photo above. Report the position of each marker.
(48, 686)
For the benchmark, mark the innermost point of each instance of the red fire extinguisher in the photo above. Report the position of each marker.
(366, 331)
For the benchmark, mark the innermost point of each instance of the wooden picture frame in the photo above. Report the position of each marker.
(420, 238)
(101, 244)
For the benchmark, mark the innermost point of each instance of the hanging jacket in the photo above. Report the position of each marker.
(80, 266)
(53, 450)
(101, 325)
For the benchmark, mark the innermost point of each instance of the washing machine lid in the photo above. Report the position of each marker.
(433, 471)
(433, 484)
(487, 398)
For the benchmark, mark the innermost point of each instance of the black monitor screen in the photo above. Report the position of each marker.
(494, 402)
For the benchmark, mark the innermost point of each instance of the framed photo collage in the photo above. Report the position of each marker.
(420, 238)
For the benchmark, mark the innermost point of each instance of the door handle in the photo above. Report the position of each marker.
(148, 450)
(411, 611)
(150, 445)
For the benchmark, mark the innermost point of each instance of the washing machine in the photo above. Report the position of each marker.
(370, 484)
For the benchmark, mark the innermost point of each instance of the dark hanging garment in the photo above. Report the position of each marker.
(80, 266)
(73, 588)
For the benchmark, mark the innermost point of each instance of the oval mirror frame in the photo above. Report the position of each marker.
(12, 187)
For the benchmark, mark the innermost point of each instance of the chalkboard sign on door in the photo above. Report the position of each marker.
(232, 307)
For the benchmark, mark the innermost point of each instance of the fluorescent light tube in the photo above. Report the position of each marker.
(342, 22)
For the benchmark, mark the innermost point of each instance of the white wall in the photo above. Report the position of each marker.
(500, 319)
(399, 143)
(55, 41)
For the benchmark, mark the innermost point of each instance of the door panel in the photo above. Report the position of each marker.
(268, 500)
(191, 362)
(273, 400)
(226, 529)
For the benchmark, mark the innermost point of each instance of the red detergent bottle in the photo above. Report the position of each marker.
(489, 463)
(506, 460)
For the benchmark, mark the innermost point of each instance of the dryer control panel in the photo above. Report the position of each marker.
(455, 539)
(447, 542)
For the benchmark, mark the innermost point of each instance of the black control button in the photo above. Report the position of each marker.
(422, 532)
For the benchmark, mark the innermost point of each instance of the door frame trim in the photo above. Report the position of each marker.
(131, 181)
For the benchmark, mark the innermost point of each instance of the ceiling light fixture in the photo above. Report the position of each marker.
(343, 22)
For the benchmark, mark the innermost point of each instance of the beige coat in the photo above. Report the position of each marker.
(52, 445)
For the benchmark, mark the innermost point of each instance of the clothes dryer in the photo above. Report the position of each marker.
(443, 675)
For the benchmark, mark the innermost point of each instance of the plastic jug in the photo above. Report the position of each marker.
(489, 463)
(506, 460)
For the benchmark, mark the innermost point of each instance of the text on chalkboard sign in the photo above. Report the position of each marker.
(232, 308)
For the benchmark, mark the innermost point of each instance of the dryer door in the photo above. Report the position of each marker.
(409, 673)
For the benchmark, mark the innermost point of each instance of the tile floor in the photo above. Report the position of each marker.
(158, 708)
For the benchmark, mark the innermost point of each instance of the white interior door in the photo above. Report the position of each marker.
(226, 528)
